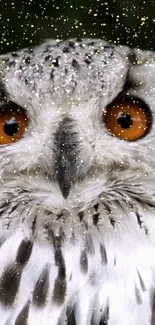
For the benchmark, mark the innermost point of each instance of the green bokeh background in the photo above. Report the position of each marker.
(25, 23)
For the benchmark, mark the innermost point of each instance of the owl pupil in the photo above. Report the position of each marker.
(11, 126)
(125, 120)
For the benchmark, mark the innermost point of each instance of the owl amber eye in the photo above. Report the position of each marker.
(128, 119)
(13, 123)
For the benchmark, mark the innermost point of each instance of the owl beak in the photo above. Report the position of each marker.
(66, 157)
(64, 179)
(65, 169)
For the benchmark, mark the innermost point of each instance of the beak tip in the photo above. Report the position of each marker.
(65, 191)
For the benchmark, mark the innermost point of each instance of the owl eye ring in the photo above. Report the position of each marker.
(13, 122)
(128, 119)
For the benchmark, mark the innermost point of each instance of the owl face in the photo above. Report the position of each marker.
(81, 123)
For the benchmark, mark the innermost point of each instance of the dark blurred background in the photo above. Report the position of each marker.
(25, 23)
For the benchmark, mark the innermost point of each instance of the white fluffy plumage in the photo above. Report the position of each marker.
(77, 204)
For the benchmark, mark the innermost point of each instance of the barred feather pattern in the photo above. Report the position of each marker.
(77, 267)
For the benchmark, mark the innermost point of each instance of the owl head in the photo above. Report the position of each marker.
(76, 121)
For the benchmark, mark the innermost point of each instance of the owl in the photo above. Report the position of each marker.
(77, 184)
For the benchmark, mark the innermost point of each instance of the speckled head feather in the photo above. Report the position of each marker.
(77, 204)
